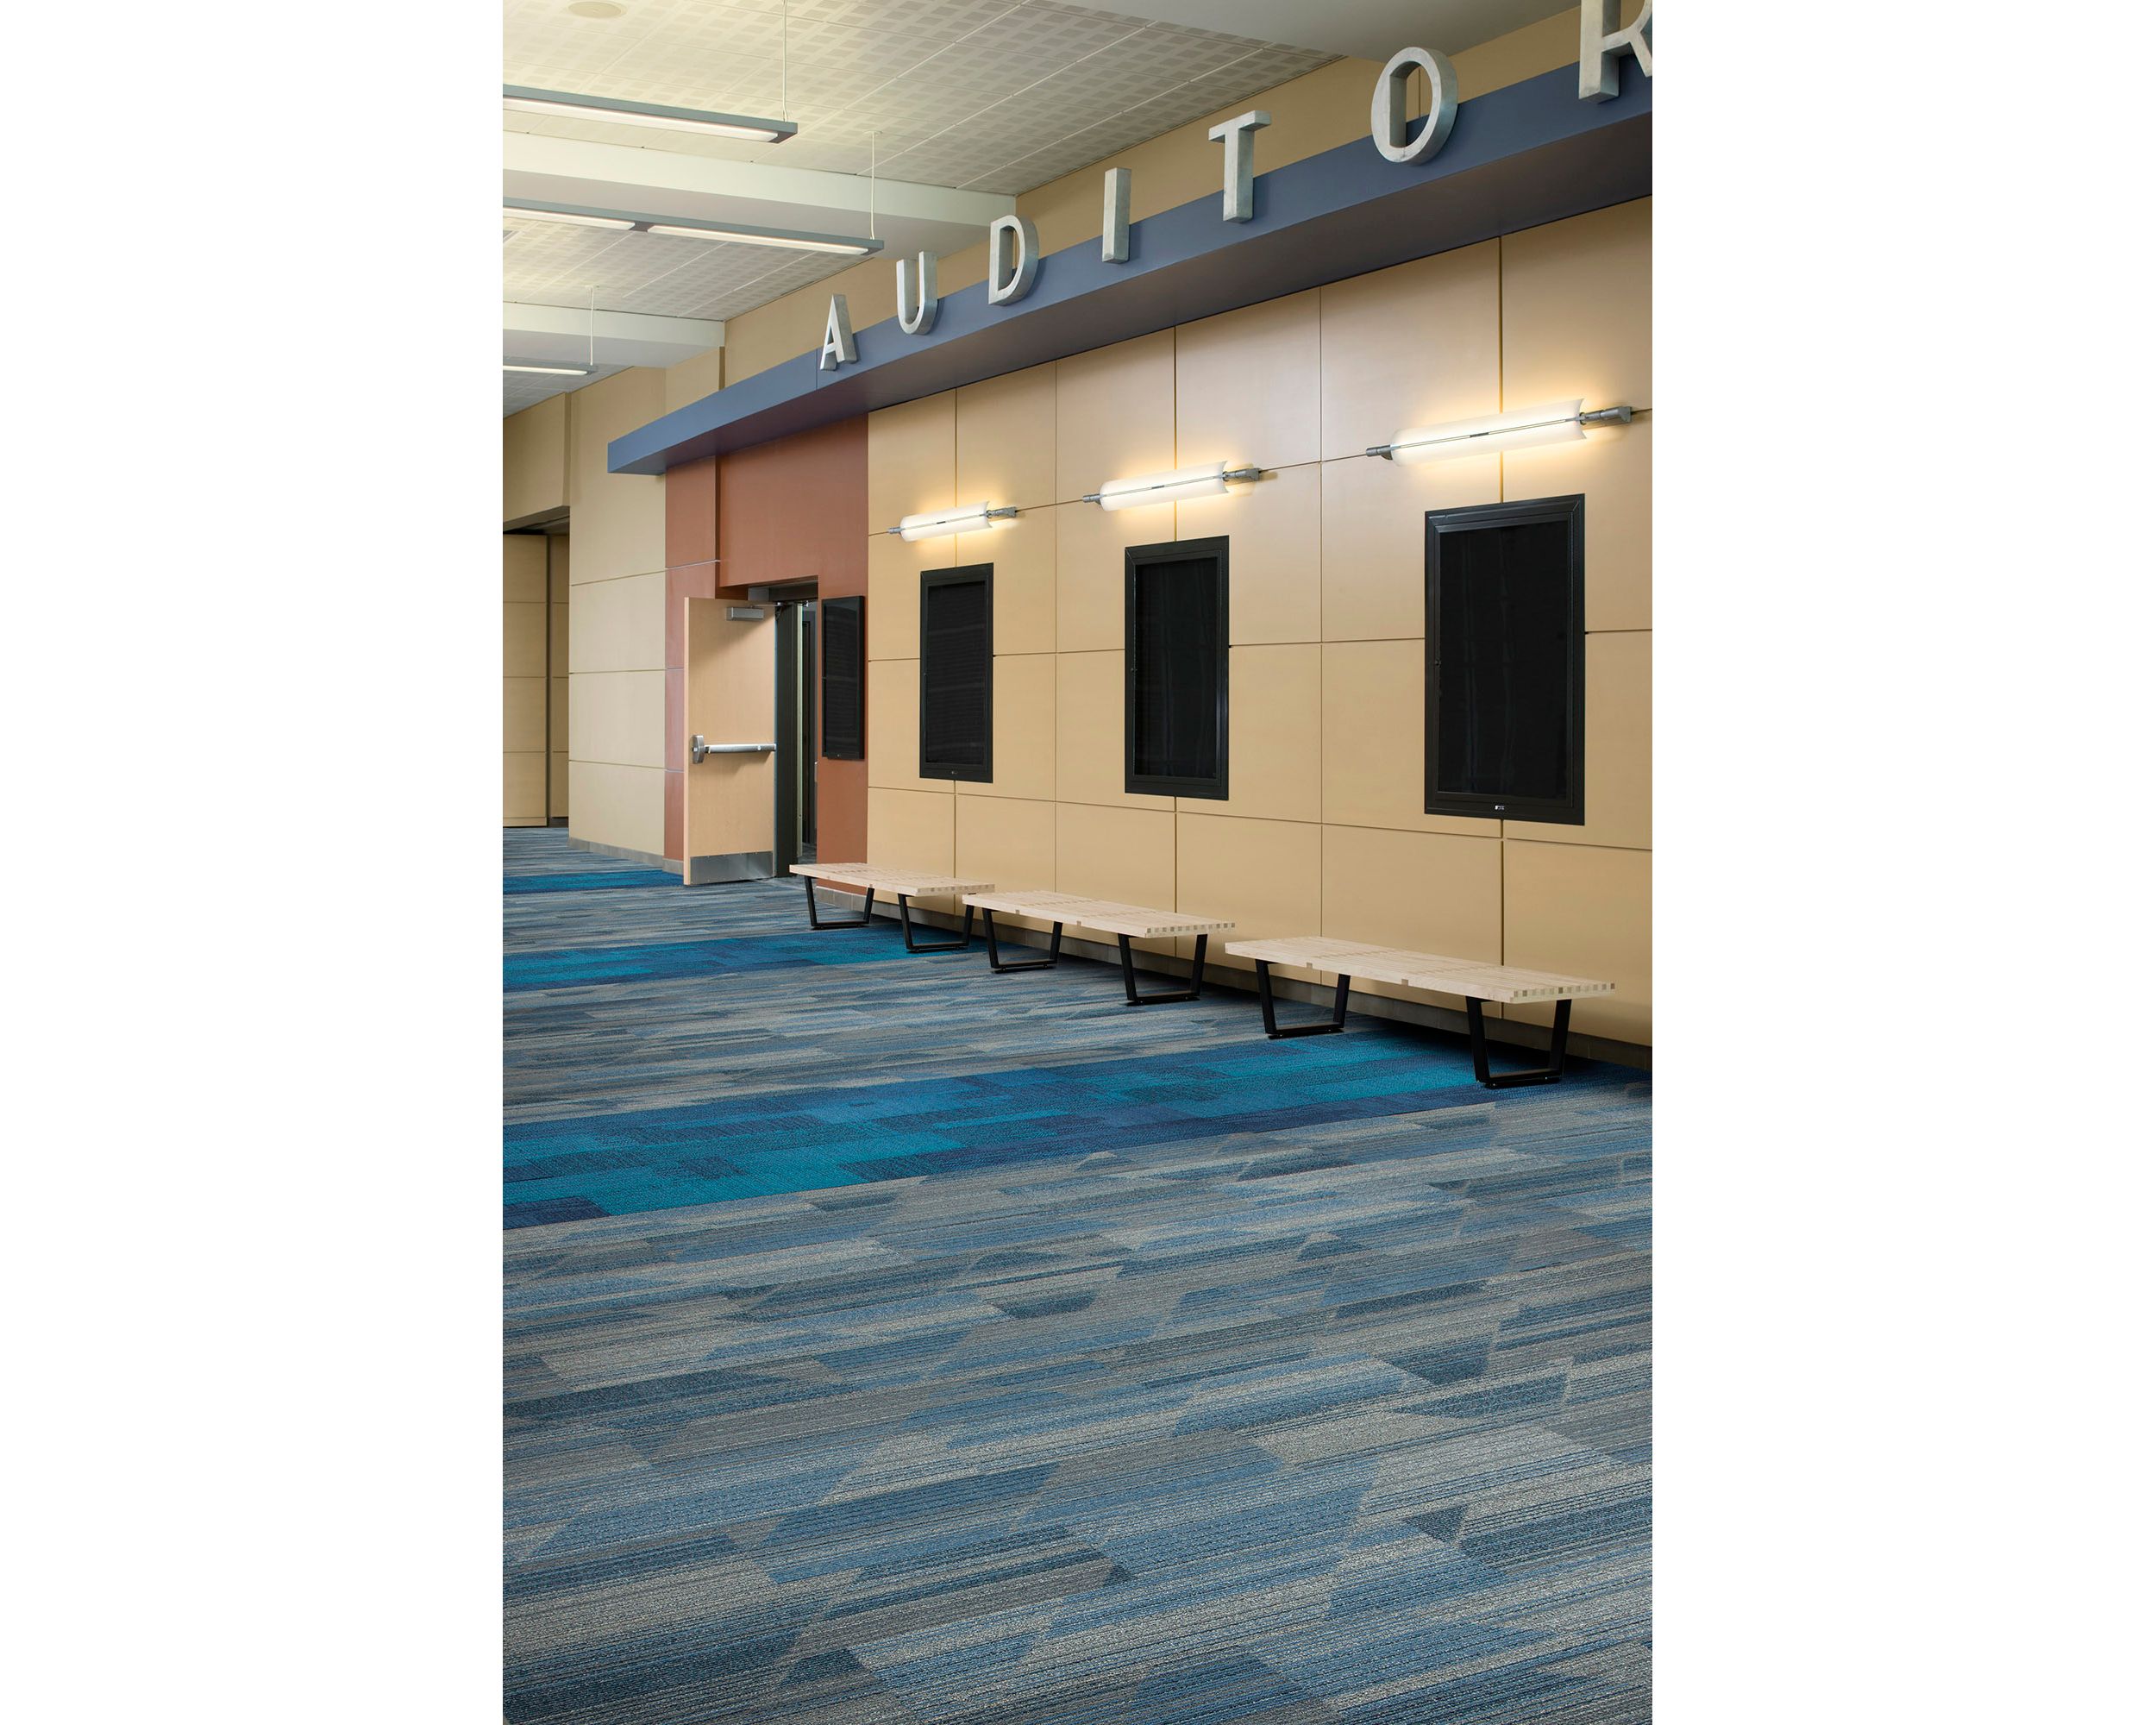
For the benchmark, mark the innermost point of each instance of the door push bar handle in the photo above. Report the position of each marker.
(698, 748)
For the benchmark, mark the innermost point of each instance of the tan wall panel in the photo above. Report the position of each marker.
(523, 789)
(1578, 310)
(1024, 553)
(1416, 344)
(523, 640)
(621, 518)
(1582, 911)
(1246, 385)
(895, 592)
(1009, 842)
(524, 715)
(694, 378)
(1371, 513)
(523, 569)
(620, 717)
(1274, 715)
(1428, 892)
(558, 784)
(1115, 414)
(1373, 699)
(1272, 531)
(558, 716)
(911, 460)
(1089, 733)
(1264, 874)
(1023, 729)
(615, 805)
(618, 625)
(1619, 749)
(1614, 469)
(894, 728)
(1006, 436)
(911, 828)
(558, 563)
(1123, 854)
(536, 459)
(558, 640)
(1090, 541)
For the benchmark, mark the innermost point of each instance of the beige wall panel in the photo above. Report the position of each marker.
(558, 566)
(523, 569)
(558, 716)
(1006, 441)
(1246, 385)
(523, 789)
(1371, 514)
(558, 640)
(1585, 912)
(1022, 738)
(615, 805)
(1090, 541)
(1264, 874)
(895, 592)
(1089, 733)
(1024, 554)
(911, 828)
(1614, 470)
(910, 455)
(694, 378)
(1115, 413)
(1123, 854)
(894, 728)
(524, 715)
(1578, 310)
(1619, 749)
(621, 518)
(1413, 345)
(536, 459)
(1373, 740)
(1274, 712)
(558, 784)
(620, 717)
(1429, 891)
(523, 640)
(618, 625)
(1009, 842)
(1272, 532)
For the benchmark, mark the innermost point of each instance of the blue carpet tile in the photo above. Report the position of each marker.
(887, 1340)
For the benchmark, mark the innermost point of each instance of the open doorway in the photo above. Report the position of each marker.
(793, 815)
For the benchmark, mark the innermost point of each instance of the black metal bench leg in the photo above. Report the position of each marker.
(905, 927)
(867, 905)
(1323, 1027)
(1130, 977)
(1479, 1043)
(996, 961)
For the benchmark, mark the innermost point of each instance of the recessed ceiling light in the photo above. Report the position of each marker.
(561, 104)
(593, 9)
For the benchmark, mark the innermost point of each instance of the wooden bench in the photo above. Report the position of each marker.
(903, 884)
(1473, 979)
(1102, 916)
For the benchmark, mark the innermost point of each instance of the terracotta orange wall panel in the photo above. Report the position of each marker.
(693, 512)
(797, 509)
(841, 811)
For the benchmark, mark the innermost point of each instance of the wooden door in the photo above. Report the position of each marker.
(729, 699)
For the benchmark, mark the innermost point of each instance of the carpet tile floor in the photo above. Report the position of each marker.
(886, 1340)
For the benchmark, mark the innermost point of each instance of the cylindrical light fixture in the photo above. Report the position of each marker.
(1553, 422)
(970, 519)
(1208, 480)
(563, 104)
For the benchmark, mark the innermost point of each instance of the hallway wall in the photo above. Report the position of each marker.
(523, 680)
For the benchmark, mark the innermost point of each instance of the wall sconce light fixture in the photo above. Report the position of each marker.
(970, 519)
(1554, 422)
(1209, 481)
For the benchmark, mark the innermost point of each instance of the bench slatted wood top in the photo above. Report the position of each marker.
(1104, 916)
(903, 884)
(1476, 980)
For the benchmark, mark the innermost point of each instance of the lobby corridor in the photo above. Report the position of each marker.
(891, 1340)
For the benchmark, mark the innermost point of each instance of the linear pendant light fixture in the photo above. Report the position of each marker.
(549, 371)
(690, 228)
(562, 104)
(1208, 480)
(1524, 428)
(970, 519)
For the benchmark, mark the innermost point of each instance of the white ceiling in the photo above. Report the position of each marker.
(964, 103)
(1368, 29)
